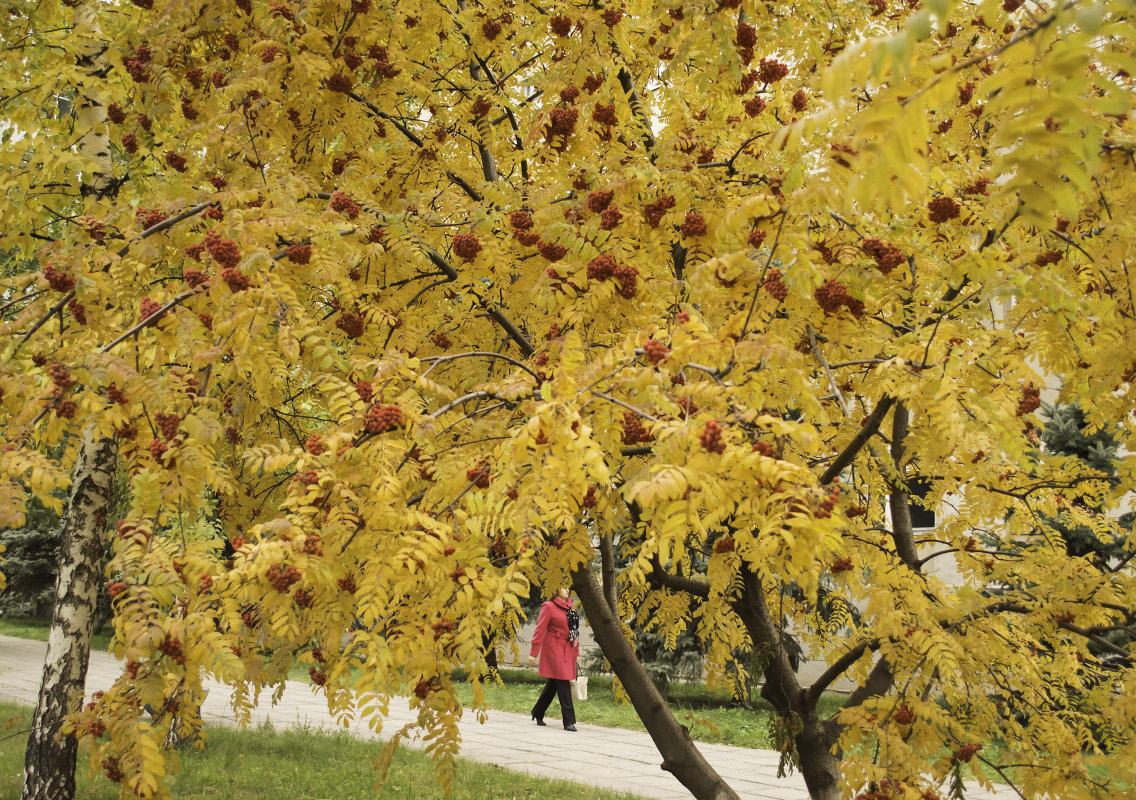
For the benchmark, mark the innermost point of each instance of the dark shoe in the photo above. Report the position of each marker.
(568, 728)
(539, 720)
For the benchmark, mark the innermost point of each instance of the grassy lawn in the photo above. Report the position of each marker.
(300, 765)
(37, 629)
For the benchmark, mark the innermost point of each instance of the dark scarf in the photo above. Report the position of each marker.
(573, 626)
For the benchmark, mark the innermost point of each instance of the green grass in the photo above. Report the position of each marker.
(711, 717)
(301, 765)
(37, 629)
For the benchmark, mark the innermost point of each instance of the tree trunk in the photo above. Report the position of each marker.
(819, 766)
(680, 756)
(49, 765)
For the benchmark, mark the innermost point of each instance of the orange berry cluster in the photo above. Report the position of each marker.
(841, 565)
(299, 253)
(775, 285)
(364, 390)
(380, 419)
(172, 648)
(467, 246)
(943, 209)
(314, 444)
(771, 70)
(886, 255)
(724, 545)
(282, 577)
(693, 225)
(654, 211)
(633, 430)
(110, 764)
(552, 251)
(351, 324)
(77, 311)
(1031, 400)
(832, 294)
(479, 475)
(342, 202)
(598, 201)
(116, 394)
(965, 753)
(656, 352)
(148, 308)
(605, 115)
(442, 627)
(302, 598)
(347, 584)
(711, 437)
(590, 498)
(562, 122)
(318, 676)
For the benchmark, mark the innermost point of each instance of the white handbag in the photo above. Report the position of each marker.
(580, 688)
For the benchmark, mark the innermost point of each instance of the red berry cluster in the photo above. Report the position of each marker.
(610, 218)
(224, 251)
(342, 203)
(167, 425)
(552, 251)
(688, 406)
(966, 92)
(560, 25)
(195, 278)
(598, 201)
(77, 311)
(800, 99)
(137, 65)
(693, 225)
(521, 220)
(282, 577)
(655, 351)
(148, 308)
(592, 83)
(764, 447)
(829, 503)
(115, 588)
(111, 766)
(424, 688)
(480, 108)
(347, 584)
(886, 255)
(116, 394)
(194, 251)
(831, 295)
(904, 715)
(172, 648)
(364, 390)
(312, 546)
(746, 36)
(943, 209)
(175, 160)
(634, 431)
(711, 437)
(1048, 257)
(491, 29)
(302, 598)
(590, 500)
(605, 115)
(1031, 400)
(308, 477)
(116, 114)
(236, 280)
(61, 377)
(351, 324)
(467, 246)
(841, 565)
(382, 61)
(754, 106)
(442, 627)
(380, 419)
(775, 285)
(857, 511)
(1010, 6)
(149, 217)
(479, 474)
(965, 753)
(59, 281)
(601, 268)
(562, 122)
(980, 186)
(771, 70)
(158, 449)
(188, 111)
(527, 238)
(654, 211)
(299, 253)
(724, 545)
(340, 82)
(318, 676)
(314, 445)
(612, 16)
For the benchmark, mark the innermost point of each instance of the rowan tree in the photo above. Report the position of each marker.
(417, 306)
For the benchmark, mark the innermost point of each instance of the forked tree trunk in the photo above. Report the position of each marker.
(49, 764)
(680, 756)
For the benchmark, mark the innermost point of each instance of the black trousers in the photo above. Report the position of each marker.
(563, 689)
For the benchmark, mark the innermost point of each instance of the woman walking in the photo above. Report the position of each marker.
(557, 642)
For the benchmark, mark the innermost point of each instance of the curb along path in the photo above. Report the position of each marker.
(621, 760)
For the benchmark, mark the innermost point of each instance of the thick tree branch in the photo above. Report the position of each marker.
(852, 449)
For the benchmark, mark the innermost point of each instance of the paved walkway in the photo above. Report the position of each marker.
(622, 760)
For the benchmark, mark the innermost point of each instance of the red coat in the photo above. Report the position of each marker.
(550, 640)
